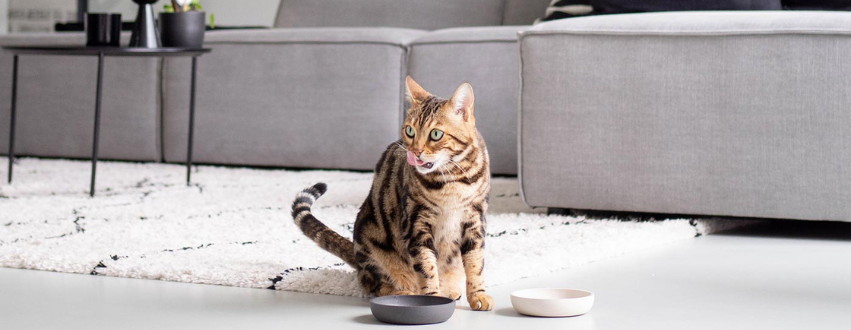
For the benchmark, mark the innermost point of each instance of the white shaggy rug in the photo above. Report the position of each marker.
(233, 226)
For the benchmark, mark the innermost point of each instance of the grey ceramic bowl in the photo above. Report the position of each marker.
(412, 309)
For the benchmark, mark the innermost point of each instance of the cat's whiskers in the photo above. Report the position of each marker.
(459, 167)
(443, 173)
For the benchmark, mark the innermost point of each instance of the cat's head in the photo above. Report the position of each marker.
(438, 132)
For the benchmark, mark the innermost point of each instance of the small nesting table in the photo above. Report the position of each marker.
(102, 52)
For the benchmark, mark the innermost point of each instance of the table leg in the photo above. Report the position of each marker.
(97, 123)
(191, 123)
(12, 119)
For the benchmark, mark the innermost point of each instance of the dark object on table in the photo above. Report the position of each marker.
(412, 309)
(103, 29)
(817, 4)
(145, 31)
(184, 29)
(82, 9)
(567, 9)
(631, 6)
(101, 52)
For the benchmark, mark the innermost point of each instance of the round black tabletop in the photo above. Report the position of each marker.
(107, 51)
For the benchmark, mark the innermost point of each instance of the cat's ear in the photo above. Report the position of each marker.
(462, 101)
(414, 92)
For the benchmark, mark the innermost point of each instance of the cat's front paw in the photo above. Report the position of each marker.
(453, 295)
(480, 301)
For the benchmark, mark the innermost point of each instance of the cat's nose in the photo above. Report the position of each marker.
(417, 152)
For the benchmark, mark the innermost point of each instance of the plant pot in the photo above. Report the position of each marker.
(183, 30)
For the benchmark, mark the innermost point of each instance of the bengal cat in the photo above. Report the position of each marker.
(421, 229)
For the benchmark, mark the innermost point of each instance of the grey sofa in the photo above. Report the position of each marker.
(323, 89)
(738, 114)
(719, 113)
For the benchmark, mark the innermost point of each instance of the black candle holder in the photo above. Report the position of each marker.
(103, 29)
(145, 31)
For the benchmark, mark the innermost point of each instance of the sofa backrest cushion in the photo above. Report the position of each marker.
(524, 12)
(412, 14)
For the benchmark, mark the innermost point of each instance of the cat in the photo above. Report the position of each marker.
(421, 229)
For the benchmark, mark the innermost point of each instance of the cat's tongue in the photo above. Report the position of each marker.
(412, 159)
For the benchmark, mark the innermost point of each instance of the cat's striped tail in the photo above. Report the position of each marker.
(317, 231)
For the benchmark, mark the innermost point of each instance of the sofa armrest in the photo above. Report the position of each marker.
(715, 113)
(701, 23)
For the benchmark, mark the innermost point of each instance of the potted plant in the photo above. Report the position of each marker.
(182, 24)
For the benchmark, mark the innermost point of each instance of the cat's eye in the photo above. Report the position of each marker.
(436, 134)
(409, 131)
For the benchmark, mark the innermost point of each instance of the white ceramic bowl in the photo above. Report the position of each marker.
(552, 302)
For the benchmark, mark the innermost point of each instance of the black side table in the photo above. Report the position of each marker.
(102, 52)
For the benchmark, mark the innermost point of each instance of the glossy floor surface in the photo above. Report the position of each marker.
(785, 275)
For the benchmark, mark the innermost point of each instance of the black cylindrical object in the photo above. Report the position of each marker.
(145, 30)
(183, 30)
(103, 29)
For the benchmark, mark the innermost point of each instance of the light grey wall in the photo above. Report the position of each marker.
(228, 12)
(39, 15)
(4, 16)
(243, 12)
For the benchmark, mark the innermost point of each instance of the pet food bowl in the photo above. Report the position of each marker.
(552, 302)
(412, 309)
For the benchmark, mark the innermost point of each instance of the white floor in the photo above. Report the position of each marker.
(788, 275)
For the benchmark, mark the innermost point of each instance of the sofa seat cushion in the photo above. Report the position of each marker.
(487, 58)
